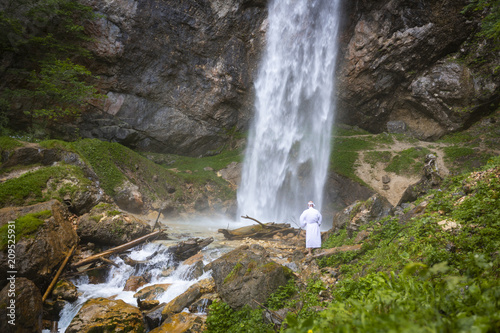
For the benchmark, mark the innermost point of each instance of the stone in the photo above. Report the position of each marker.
(104, 315)
(129, 198)
(134, 282)
(65, 290)
(396, 126)
(386, 179)
(153, 316)
(152, 292)
(26, 312)
(105, 224)
(231, 173)
(182, 323)
(241, 276)
(187, 298)
(40, 254)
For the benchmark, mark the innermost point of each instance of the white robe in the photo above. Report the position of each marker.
(311, 220)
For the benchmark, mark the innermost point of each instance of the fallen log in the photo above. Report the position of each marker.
(117, 249)
(260, 231)
(54, 280)
(187, 249)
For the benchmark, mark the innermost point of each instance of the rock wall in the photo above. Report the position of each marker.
(406, 61)
(178, 73)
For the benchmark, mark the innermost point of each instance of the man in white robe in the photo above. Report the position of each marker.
(310, 219)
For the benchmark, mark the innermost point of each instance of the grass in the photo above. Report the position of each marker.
(31, 187)
(408, 162)
(374, 157)
(25, 226)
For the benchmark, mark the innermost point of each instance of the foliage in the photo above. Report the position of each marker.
(26, 226)
(8, 143)
(222, 319)
(415, 275)
(490, 25)
(45, 37)
(31, 187)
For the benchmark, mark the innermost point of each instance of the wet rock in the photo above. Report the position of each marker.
(26, 312)
(40, 253)
(104, 224)
(185, 249)
(202, 304)
(182, 323)
(195, 267)
(188, 297)
(151, 292)
(153, 316)
(104, 315)
(134, 282)
(65, 290)
(241, 276)
(147, 305)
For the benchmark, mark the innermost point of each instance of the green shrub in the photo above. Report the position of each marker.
(222, 319)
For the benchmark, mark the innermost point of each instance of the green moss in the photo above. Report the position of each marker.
(232, 275)
(374, 157)
(31, 187)
(8, 143)
(96, 218)
(113, 212)
(25, 226)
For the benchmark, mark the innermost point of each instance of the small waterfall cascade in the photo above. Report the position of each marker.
(288, 151)
(156, 260)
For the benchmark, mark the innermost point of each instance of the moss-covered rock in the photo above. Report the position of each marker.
(242, 276)
(106, 316)
(105, 224)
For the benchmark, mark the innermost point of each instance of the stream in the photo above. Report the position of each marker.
(155, 266)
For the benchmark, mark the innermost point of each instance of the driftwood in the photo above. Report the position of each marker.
(260, 231)
(117, 249)
(59, 271)
(187, 249)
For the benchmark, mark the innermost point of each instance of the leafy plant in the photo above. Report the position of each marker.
(221, 319)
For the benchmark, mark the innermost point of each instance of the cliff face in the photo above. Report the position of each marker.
(414, 62)
(179, 73)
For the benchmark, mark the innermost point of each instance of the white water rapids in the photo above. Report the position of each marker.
(287, 158)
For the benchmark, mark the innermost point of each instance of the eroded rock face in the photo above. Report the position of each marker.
(399, 65)
(177, 74)
(39, 254)
(104, 315)
(242, 276)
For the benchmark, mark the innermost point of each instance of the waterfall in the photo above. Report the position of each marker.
(288, 151)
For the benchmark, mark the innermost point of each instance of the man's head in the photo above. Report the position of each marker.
(310, 204)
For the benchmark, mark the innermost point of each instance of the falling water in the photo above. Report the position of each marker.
(289, 142)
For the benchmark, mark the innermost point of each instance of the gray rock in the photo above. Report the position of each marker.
(396, 127)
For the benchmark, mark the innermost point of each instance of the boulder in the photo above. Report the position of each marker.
(65, 290)
(104, 315)
(362, 212)
(105, 224)
(151, 292)
(243, 277)
(153, 316)
(182, 323)
(129, 198)
(431, 179)
(187, 298)
(24, 310)
(134, 282)
(40, 252)
(193, 267)
(231, 173)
